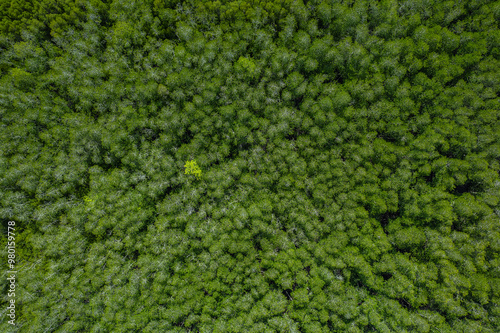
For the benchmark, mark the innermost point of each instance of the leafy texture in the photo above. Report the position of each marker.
(350, 153)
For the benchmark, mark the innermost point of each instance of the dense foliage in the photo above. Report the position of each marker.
(343, 161)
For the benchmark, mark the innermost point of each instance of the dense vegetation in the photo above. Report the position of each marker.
(252, 166)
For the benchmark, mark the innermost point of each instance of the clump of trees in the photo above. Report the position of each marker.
(350, 153)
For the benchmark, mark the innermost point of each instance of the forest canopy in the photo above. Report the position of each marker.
(251, 166)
